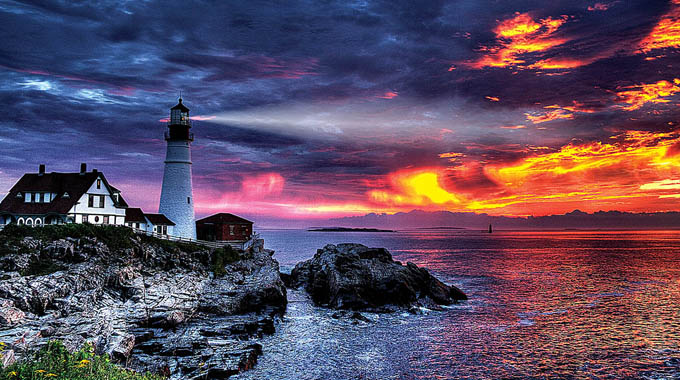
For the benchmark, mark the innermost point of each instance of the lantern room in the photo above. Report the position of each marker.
(179, 123)
(179, 114)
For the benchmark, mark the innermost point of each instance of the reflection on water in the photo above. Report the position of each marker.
(569, 305)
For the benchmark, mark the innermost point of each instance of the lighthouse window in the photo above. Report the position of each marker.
(189, 200)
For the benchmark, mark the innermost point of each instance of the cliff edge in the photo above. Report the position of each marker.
(178, 309)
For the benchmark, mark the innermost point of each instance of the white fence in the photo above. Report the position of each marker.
(212, 244)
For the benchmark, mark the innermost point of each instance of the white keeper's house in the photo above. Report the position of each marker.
(57, 198)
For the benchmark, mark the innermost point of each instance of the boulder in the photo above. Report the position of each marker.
(355, 277)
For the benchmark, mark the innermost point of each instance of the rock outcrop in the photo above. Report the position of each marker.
(355, 277)
(153, 306)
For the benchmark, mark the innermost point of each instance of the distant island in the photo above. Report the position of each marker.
(600, 220)
(346, 229)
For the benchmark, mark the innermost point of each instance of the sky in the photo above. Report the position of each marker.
(305, 110)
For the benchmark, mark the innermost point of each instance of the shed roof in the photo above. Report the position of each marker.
(224, 218)
(159, 219)
(134, 215)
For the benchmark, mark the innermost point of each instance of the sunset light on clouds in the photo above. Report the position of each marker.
(507, 108)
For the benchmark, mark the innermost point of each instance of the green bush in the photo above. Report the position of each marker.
(222, 257)
(115, 237)
(55, 362)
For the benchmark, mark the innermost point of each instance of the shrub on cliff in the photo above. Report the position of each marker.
(222, 257)
(114, 237)
(55, 362)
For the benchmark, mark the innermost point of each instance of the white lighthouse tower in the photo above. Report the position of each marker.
(177, 198)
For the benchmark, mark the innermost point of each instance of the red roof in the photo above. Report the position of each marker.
(73, 184)
(224, 218)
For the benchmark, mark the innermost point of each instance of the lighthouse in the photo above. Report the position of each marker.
(177, 198)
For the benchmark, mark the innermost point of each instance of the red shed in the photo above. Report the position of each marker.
(224, 227)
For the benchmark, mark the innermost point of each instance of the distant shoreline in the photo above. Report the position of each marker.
(347, 229)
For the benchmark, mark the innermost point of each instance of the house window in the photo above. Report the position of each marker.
(136, 225)
(99, 183)
(96, 219)
(95, 201)
(106, 219)
(84, 218)
(231, 230)
(28, 197)
(19, 195)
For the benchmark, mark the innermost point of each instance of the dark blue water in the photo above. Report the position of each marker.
(543, 305)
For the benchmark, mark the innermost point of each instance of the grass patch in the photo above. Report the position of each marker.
(55, 362)
(222, 257)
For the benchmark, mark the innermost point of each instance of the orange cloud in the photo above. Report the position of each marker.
(636, 170)
(522, 24)
(513, 126)
(559, 112)
(451, 155)
(415, 188)
(664, 184)
(562, 63)
(638, 96)
(492, 98)
(666, 33)
(517, 36)
(538, 118)
(634, 150)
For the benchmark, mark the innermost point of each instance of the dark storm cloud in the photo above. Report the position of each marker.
(91, 80)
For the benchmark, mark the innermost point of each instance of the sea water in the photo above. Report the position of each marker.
(542, 305)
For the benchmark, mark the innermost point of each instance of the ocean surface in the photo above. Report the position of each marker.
(543, 305)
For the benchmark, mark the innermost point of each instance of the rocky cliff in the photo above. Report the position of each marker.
(151, 304)
(353, 276)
